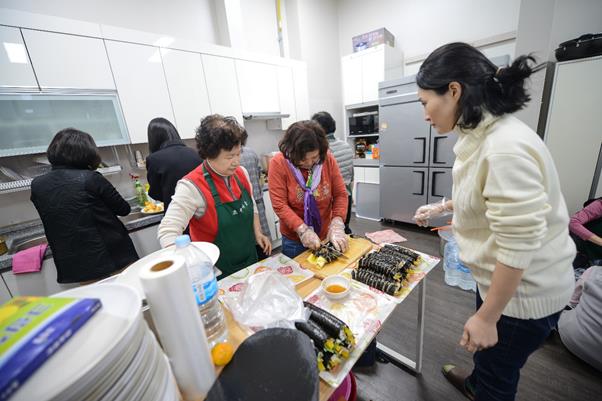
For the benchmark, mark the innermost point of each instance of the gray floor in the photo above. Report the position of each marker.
(552, 373)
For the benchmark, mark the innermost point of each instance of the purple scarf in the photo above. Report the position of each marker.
(311, 214)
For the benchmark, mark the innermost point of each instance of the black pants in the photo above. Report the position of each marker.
(349, 203)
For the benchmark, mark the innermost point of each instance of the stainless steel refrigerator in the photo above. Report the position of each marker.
(415, 161)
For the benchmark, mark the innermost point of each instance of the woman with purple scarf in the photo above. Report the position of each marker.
(307, 191)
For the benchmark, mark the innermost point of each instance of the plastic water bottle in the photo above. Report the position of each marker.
(204, 286)
(456, 274)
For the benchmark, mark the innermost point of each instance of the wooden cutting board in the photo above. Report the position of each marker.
(358, 247)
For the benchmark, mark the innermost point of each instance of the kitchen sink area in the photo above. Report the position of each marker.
(22, 244)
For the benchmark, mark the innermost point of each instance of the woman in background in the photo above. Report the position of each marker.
(168, 161)
(79, 209)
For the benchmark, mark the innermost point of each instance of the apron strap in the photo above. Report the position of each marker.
(209, 180)
(211, 183)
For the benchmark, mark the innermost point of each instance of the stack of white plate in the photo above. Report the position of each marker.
(114, 356)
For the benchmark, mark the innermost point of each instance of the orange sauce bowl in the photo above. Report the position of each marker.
(336, 287)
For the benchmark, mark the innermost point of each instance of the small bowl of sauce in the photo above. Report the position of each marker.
(336, 287)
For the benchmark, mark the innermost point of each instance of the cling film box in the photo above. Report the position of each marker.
(373, 38)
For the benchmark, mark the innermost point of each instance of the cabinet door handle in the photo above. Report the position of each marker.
(390, 92)
(423, 139)
(421, 182)
(435, 149)
(433, 185)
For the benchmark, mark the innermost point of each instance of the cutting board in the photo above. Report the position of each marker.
(358, 247)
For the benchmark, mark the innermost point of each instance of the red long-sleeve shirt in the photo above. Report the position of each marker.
(287, 195)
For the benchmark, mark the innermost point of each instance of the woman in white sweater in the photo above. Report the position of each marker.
(510, 218)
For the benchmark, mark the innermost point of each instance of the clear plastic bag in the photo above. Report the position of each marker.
(267, 300)
(426, 212)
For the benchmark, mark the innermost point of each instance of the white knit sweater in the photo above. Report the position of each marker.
(508, 208)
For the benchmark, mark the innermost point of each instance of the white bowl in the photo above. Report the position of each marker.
(340, 280)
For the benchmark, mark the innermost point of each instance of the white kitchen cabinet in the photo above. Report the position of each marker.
(222, 86)
(69, 61)
(373, 72)
(362, 71)
(286, 94)
(351, 69)
(187, 89)
(15, 67)
(145, 240)
(258, 84)
(42, 283)
(4, 293)
(301, 91)
(141, 86)
(372, 175)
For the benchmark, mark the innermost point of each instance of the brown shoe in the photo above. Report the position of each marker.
(457, 377)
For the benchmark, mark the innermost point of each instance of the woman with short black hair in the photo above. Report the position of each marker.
(169, 159)
(216, 198)
(79, 209)
(510, 219)
(307, 190)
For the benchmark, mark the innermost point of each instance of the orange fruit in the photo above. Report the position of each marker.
(222, 354)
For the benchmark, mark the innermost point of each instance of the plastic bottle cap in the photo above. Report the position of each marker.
(182, 241)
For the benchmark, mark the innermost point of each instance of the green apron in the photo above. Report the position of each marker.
(235, 238)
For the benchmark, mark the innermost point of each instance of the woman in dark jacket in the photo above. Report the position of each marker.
(169, 159)
(79, 210)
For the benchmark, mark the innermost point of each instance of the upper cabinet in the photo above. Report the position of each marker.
(362, 71)
(187, 89)
(258, 87)
(301, 91)
(286, 94)
(351, 69)
(15, 67)
(222, 86)
(68, 61)
(141, 86)
(373, 72)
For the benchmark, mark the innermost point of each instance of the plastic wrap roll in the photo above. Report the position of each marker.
(177, 320)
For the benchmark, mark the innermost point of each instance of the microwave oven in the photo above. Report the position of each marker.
(363, 123)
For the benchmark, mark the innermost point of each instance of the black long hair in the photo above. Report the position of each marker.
(73, 148)
(159, 131)
(484, 85)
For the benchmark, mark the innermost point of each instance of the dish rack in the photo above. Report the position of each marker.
(24, 184)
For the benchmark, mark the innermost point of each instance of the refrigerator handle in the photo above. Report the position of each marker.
(435, 146)
(423, 139)
(433, 185)
(421, 183)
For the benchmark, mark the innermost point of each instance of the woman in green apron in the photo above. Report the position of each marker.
(215, 198)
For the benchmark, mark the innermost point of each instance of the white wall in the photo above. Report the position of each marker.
(313, 35)
(189, 19)
(259, 26)
(421, 26)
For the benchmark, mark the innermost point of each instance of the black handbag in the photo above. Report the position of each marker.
(587, 45)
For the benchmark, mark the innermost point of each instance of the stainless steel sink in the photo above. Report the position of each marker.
(19, 245)
(132, 216)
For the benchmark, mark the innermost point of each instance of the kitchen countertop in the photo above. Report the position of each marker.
(34, 228)
(365, 162)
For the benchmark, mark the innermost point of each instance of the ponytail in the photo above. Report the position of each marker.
(484, 86)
